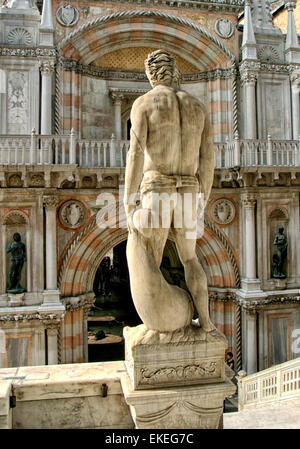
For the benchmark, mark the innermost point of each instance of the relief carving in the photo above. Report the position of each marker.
(189, 372)
(223, 211)
(67, 15)
(72, 214)
(19, 36)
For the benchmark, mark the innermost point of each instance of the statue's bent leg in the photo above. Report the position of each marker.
(195, 276)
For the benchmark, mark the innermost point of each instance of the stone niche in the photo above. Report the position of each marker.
(15, 221)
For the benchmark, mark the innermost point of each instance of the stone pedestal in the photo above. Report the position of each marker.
(175, 379)
(191, 407)
(16, 300)
(188, 356)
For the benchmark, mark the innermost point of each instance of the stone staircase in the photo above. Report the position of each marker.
(269, 399)
(277, 417)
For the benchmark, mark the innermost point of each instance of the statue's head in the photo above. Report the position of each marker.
(281, 229)
(17, 237)
(161, 68)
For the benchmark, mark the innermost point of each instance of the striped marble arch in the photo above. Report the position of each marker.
(107, 33)
(81, 260)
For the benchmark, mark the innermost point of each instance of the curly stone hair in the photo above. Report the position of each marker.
(161, 68)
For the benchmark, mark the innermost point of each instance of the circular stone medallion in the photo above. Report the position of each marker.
(224, 28)
(67, 15)
(72, 214)
(223, 211)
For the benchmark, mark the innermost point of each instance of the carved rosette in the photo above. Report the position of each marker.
(72, 214)
(222, 211)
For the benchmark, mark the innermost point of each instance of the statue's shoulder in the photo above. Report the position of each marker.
(141, 101)
(185, 96)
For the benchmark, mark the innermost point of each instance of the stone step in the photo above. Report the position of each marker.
(285, 416)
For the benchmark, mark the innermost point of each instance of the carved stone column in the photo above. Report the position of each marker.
(47, 69)
(250, 282)
(50, 203)
(117, 100)
(52, 342)
(251, 341)
(249, 83)
(295, 82)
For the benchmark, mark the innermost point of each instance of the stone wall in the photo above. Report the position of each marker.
(64, 397)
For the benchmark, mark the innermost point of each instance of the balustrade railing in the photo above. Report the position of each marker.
(68, 149)
(277, 384)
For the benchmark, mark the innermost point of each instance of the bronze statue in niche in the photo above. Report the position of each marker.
(279, 257)
(18, 256)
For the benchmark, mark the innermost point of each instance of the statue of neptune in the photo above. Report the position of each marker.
(170, 159)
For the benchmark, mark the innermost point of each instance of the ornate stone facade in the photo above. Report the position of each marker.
(84, 79)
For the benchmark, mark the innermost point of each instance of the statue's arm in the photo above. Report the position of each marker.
(135, 155)
(8, 249)
(206, 160)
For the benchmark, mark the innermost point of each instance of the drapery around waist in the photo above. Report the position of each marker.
(156, 181)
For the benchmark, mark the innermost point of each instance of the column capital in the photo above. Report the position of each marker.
(290, 6)
(50, 201)
(46, 67)
(117, 97)
(295, 79)
(248, 77)
(248, 200)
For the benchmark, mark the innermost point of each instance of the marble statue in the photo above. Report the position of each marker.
(171, 157)
(18, 257)
(281, 244)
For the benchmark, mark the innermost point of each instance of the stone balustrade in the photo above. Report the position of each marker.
(277, 384)
(68, 149)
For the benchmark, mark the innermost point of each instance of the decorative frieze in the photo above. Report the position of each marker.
(189, 372)
(27, 52)
(69, 64)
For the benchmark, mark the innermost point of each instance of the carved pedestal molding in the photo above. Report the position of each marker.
(47, 69)
(193, 407)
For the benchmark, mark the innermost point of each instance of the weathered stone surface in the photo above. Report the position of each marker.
(197, 407)
(189, 356)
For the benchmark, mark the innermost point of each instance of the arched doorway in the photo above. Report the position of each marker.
(113, 308)
(107, 230)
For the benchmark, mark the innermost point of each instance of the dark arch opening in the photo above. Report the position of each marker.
(114, 308)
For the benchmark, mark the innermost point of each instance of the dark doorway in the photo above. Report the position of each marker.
(114, 308)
